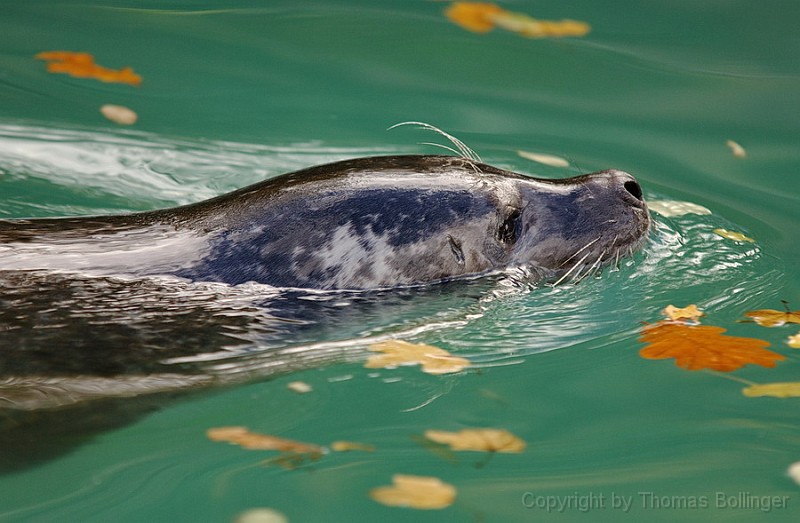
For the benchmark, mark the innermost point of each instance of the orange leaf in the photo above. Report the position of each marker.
(773, 318)
(474, 16)
(697, 347)
(82, 65)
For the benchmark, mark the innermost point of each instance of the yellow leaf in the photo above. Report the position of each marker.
(794, 472)
(778, 390)
(422, 492)
(347, 446)
(533, 28)
(773, 318)
(794, 341)
(737, 150)
(690, 312)
(255, 441)
(546, 159)
(119, 114)
(733, 235)
(491, 440)
(300, 387)
(397, 352)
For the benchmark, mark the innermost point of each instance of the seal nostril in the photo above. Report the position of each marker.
(633, 188)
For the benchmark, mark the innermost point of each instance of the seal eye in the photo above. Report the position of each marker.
(509, 228)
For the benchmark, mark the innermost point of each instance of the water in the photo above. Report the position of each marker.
(237, 92)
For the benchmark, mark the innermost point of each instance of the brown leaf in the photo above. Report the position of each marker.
(697, 347)
(422, 492)
(491, 440)
(773, 318)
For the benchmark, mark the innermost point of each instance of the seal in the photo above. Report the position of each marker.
(368, 223)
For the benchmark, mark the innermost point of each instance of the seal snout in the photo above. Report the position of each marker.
(625, 184)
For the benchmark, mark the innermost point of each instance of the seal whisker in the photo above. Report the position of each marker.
(575, 266)
(463, 148)
(579, 251)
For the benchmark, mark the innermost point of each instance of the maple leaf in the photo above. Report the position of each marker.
(491, 440)
(773, 318)
(422, 492)
(697, 347)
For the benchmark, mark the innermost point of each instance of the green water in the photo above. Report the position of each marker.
(234, 92)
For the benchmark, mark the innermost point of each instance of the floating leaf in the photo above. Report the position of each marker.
(300, 387)
(491, 440)
(82, 65)
(261, 515)
(119, 114)
(733, 235)
(773, 318)
(255, 441)
(422, 492)
(794, 472)
(697, 347)
(737, 150)
(347, 446)
(482, 17)
(397, 352)
(778, 390)
(690, 312)
(669, 208)
(546, 159)
(794, 341)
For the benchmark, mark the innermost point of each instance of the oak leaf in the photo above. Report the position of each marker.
(778, 390)
(697, 347)
(773, 318)
(491, 440)
(422, 492)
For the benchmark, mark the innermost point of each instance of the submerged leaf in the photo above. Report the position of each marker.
(669, 208)
(491, 440)
(82, 65)
(794, 341)
(737, 150)
(397, 352)
(690, 312)
(422, 492)
(254, 441)
(347, 446)
(778, 390)
(119, 114)
(794, 472)
(697, 347)
(773, 318)
(733, 235)
(546, 159)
